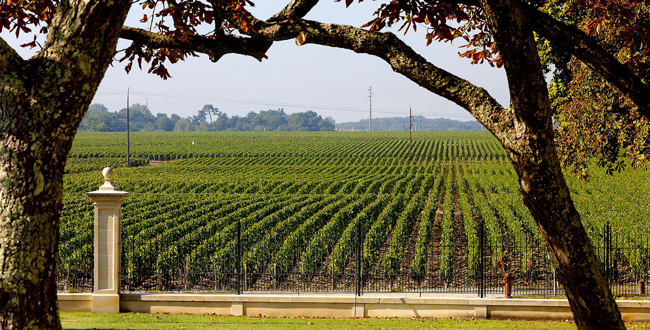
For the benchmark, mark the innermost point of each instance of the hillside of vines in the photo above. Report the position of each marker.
(295, 201)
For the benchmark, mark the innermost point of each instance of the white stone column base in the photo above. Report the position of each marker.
(359, 310)
(481, 312)
(106, 303)
(237, 308)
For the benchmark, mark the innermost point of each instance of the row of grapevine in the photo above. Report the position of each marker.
(149, 243)
(426, 224)
(258, 230)
(201, 249)
(471, 228)
(322, 243)
(490, 223)
(402, 230)
(300, 199)
(376, 235)
(177, 145)
(260, 254)
(447, 226)
(294, 242)
(342, 251)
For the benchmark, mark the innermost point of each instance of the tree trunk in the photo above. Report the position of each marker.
(544, 189)
(547, 197)
(524, 129)
(42, 102)
(31, 191)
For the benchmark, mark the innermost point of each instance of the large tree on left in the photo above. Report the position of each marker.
(42, 102)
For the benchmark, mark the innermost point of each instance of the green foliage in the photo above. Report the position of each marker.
(300, 196)
(418, 267)
(343, 148)
(401, 232)
(447, 226)
(207, 119)
(376, 236)
(593, 120)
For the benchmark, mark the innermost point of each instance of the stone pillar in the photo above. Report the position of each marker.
(107, 202)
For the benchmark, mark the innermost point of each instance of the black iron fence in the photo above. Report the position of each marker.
(464, 266)
(624, 262)
(74, 281)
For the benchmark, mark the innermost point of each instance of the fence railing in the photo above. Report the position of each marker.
(467, 269)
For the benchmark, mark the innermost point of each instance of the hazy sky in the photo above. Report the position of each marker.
(333, 82)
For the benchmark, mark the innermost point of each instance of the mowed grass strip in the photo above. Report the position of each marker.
(75, 320)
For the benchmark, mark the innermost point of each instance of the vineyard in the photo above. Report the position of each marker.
(333, 211)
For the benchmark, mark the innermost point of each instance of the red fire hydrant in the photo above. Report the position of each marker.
(507, 283)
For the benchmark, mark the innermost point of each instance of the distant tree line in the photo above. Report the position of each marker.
(209, 118)
(100, 119)
(420, 123)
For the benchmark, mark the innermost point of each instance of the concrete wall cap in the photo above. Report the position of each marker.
(338, 306)
(179, 297)
(74, 296)
(633, 303)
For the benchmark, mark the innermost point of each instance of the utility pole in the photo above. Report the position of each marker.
(370, 121)
(410, 130)
(128, 140)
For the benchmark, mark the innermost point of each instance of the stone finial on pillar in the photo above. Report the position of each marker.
(107, 203)
(107, 172)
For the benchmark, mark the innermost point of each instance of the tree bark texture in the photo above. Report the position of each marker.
(544, 189)
(42, 102)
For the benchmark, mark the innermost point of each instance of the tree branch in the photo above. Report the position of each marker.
(295, 9)
(402, 59)
(10, 61)
(474, 3)
(214, 48)
(12, 79)
(590, 52)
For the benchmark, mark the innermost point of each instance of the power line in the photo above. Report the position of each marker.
(370, 120)
(288, 105)
(128, 140)
(410, 132)
(267, 103)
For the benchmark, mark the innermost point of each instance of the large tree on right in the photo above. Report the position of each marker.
(506, 32)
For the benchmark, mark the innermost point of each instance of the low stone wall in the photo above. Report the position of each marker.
(348, 306)
(75, 302)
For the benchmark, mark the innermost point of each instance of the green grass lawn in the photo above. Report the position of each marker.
(73, 320)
